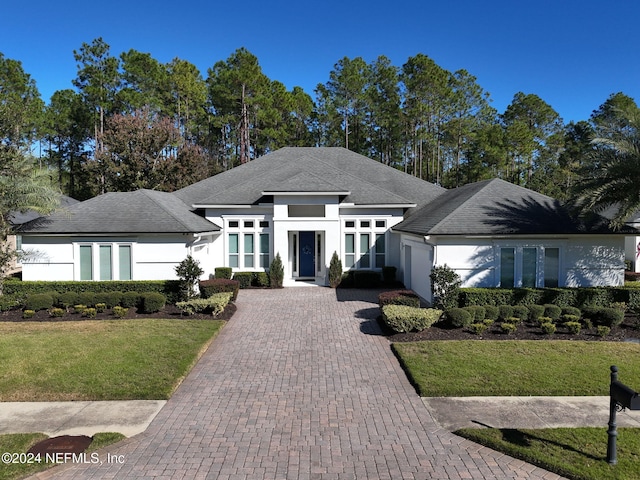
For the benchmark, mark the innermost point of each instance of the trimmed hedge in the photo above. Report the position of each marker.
(219, 285)
(366, 279)
(399, 297)
(223, 272)
(169, 288)
(39, 301)
(459, 317)
(152, 302)
(244, 279)
(402, 318)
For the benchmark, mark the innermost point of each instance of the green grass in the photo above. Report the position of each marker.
(504, 368)
(21, 442)
(99, 360)
(575, 453)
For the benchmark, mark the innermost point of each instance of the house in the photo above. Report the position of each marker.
(307, 203)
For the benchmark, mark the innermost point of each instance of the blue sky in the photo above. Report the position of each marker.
(573, 54)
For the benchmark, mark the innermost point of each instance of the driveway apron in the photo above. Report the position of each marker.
(299, 385)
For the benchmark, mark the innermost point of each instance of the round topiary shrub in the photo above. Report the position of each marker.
(573, 327)
(609, 317)
(478, 328)
(152, 302)
(508, 327)
(491, 312)
(477, 313)
(571, 311)
(130, 299)
(87, 298)
(548, 328)
(552, 311)
(38, 301)
(535, 312)
(459, 317)
(521, 312)
(506, 311)
(67, 299)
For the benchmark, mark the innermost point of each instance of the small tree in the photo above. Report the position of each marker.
(189, 272)
(335, 270)
(276, 272)
(445, 284)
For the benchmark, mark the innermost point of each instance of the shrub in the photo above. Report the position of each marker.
(261, 279)
(223, 272)
(401, 318)
(389, 275)
(445, 287)
(514, 320)
(506, 311)
(110, 299)
(491, 312)
(347, 280)
(573, 327)
(535, 312)
(80, 308)
(130, 299)
(215, 304)
(548, 328)
(335, 270)
(7, 302)
(152, 302)
(219, 285)
(188, 271)
(570, 318)
(276, 272)
(521, 312)
(508, 328)
(89, 312)
(459, 317)
(28, 313)
(87, 298)
(609, 317)
(552, 311)
(477, 313)
(571, 311)
(38, 301)
(478, 328)
(366, 279)
(244, 279)
(543, 320)
(488, 322)
(101, 307)
(399, 297)
(588, 324)
(67, 299)
(619, 306)
(119, 312)
(56, 312)
(603, 331)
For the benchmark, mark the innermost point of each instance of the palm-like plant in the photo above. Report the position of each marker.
(611, 177)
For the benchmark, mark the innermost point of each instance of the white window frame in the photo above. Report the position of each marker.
(519, 248)
(253, 225)
(95, 259)
(358, 230)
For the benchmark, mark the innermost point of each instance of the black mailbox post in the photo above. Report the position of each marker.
(621, 397)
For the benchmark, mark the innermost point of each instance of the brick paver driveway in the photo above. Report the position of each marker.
(299, 386)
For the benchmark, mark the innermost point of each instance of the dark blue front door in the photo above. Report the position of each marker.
(306, 254)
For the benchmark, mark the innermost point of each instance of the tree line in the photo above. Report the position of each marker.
(134, 122)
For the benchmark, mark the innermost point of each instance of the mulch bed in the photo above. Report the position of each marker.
(168, 312)
(624, 333)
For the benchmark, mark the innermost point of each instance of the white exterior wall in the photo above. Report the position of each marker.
(416, 263)
(57, 258)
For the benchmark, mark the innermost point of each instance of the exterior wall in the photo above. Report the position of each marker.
(57, 258)
(416, 263)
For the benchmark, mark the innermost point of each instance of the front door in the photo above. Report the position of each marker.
(306, 254)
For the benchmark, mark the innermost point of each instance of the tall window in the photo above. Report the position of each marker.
(86, 262)
(507, 267)
(233, 250)
(551, 267)
(105, 262)
(264, 250)
(248, 251)
(365, 257)
(380, 250)
(124, 262)
(529, 267)
(349, 250)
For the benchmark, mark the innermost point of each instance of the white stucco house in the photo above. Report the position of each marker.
(305, 204)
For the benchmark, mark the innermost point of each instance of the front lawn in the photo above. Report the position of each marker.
(99, 360)
(575, 453)
(505, 368)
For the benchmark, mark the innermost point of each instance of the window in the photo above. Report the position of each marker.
(381, 224)
(349, 250)
(507, 267)
(294, 243)
(380, 250)
(233, 250)
(350, 224)
(319, 252)
(248, 251)
(105, 262)
(124, 262)
(529, 267)
(551, 267)
(86, 262)
(264, 250)
(233, 224)
(365, 260)
(248, 224)
(264, 224)
(306, 210)
(365, 223)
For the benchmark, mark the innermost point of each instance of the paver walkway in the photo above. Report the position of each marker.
(299, 386)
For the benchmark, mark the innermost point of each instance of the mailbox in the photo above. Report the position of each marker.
(625, 396)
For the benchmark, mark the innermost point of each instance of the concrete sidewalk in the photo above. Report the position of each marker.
(525, 412)
(78, 418)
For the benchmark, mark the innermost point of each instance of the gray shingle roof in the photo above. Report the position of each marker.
(142, 211)
(18, 218)
(370, 182)
(497, 207)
